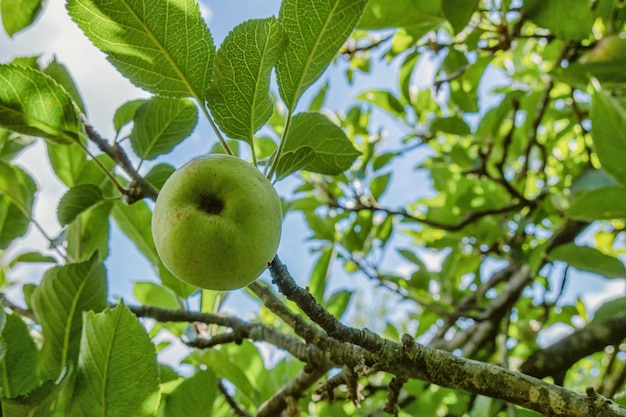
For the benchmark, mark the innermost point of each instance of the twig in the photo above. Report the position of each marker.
(140, 188)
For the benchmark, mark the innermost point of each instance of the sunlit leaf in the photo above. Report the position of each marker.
(34, 104)
(333, 151)
(239, 97)
(160, 124)
(162, 46)
(59, 301)
(18, 14)
(117, 367)
(326, 26)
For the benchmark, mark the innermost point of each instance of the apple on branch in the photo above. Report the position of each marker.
(217, 222)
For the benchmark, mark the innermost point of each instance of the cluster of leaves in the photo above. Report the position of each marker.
(514, 184)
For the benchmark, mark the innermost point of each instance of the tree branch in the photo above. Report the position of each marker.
(139, 187)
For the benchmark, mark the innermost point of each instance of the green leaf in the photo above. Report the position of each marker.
(161, 46)
(77, 200)
(118, 373)
(378, 186)
(159, 174)
(321, 270)
(34, 104)
(239, 97)
(588, 259)
(18, 366)
(60, 74)
(608, 119)
(601, 204)
(151, 294)
(11, 144)
(327, 25)
(135, 222)
(410, 14)
(452, 125)
(18, 14)
(459, 12)
(31, 257)
(17, 186)
(571, 19)
(90, 233)
(160, 124)
(338, 302)
(194, 396)
(13, 222)
(58, 302)
(334, 153)
(292, 161)
(385, 100)
(67, 162)
(126, 112)
(592, 179)
(609, 310)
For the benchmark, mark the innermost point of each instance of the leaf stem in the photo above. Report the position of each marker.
(214, 126)
(281, 146)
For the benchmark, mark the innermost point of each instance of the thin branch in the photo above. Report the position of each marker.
(140, 188)
(237, 409)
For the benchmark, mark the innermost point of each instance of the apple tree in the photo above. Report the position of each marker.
(456, 224)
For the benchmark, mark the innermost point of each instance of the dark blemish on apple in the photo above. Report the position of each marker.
(210, 204)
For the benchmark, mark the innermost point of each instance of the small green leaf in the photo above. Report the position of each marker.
(151, 294)
(34, 104)
(58, 302)
(333, 151)
(160, 124)
(11, 144)
(165, 48)
(321, 271)
(18, 366)
(600, 204)
(292, 161)
(385, 100)
(194, 396)
(77, 200)
(452, 125)
(459, 12)
(328, 24)
(18, 14)
(135, 222)
(608, 119)
(338, 302)
(67, 162)
(118, 373)
(126, 112)
(60, 74)
(378, 185)
(159, 174)
(16, 185)
(13, 222)
(239, 97)
(31, 257)
(588, 259)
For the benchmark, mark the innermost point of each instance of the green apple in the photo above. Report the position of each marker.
(217, 223)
